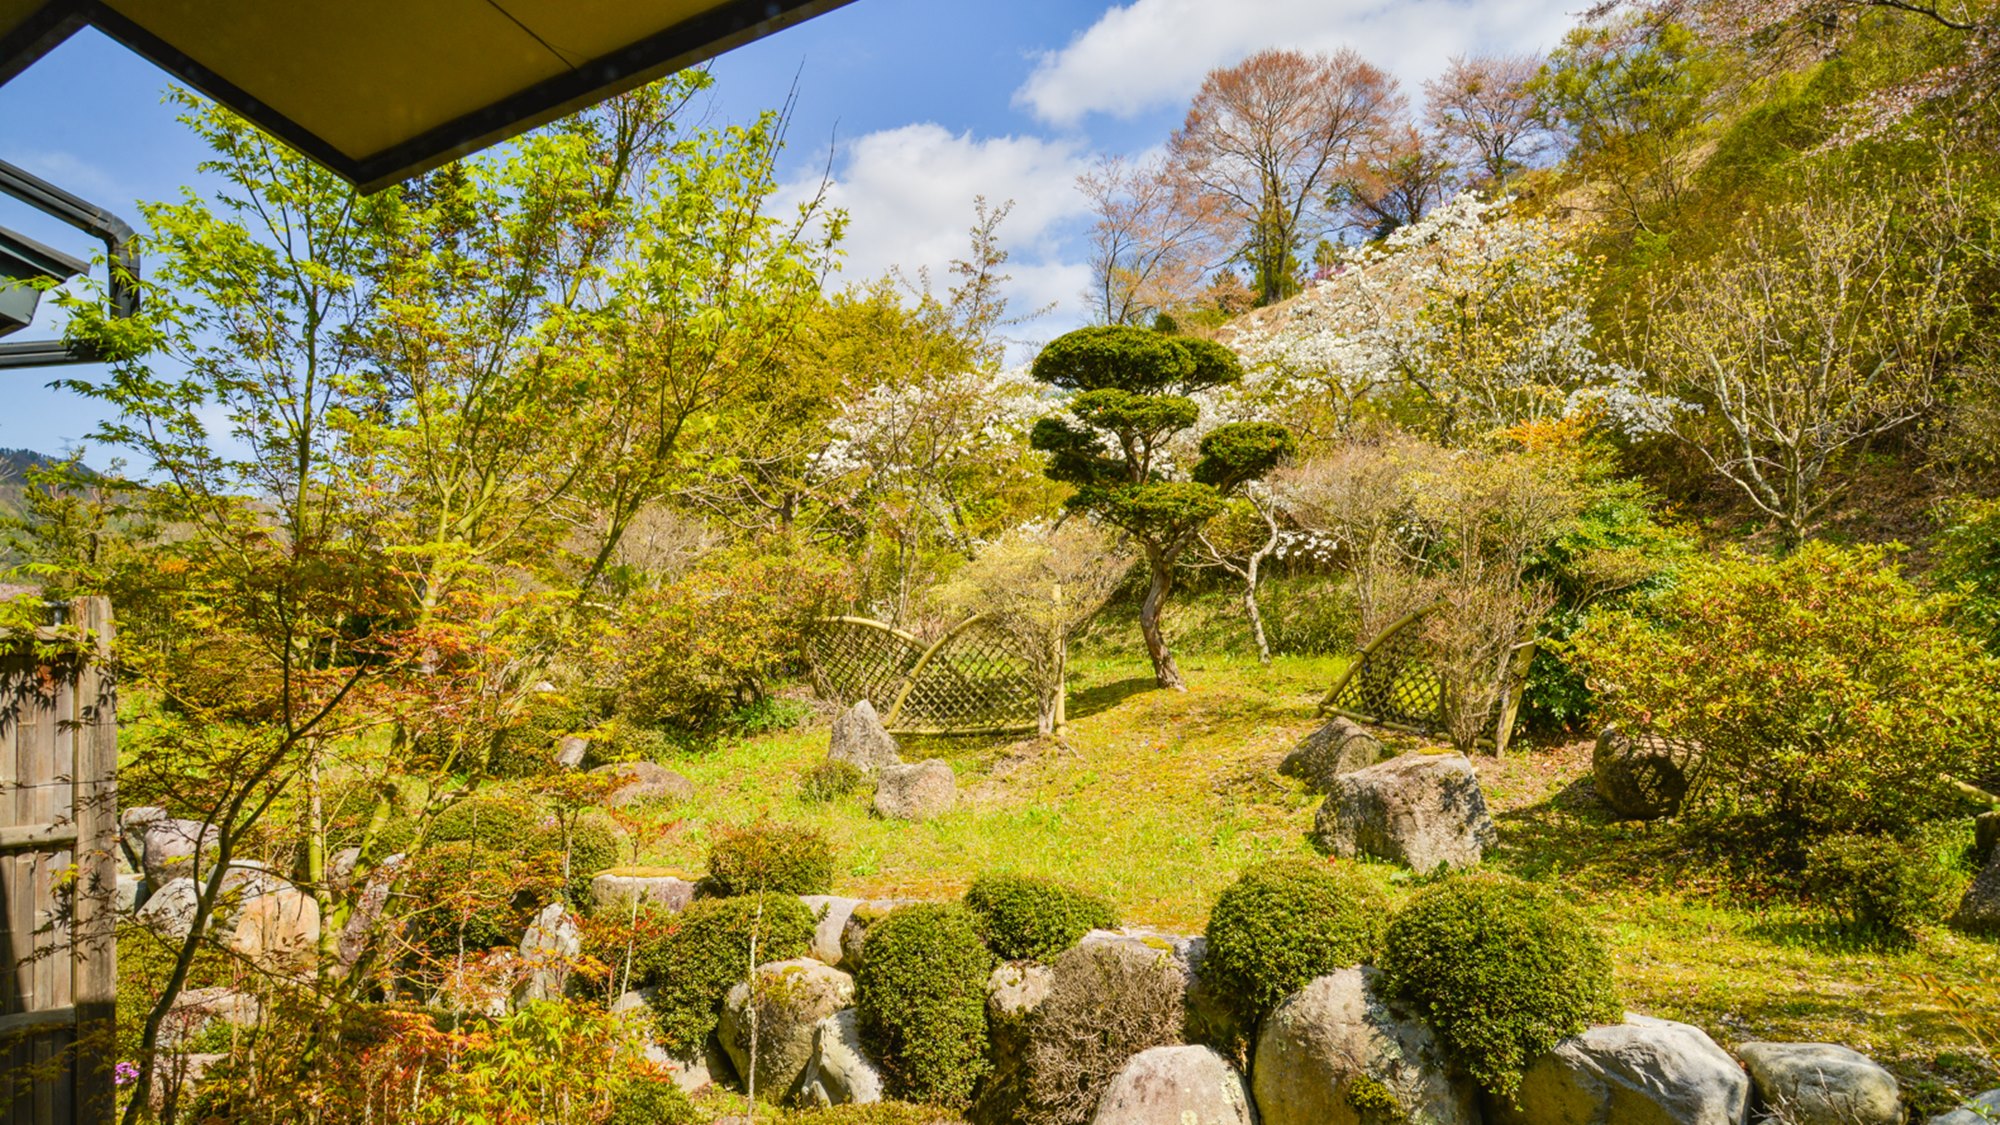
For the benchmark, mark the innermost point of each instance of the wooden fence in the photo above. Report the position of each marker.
(58, 871)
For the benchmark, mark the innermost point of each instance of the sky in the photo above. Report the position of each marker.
(914, 107)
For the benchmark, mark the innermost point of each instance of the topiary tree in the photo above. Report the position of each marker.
(920, 1000)
(1283, 923)
(1130, 405)
(1026, 918)
(705, 950)
(770, 858)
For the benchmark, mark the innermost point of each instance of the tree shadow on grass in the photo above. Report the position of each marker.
(1571, 837)
(1099, 698)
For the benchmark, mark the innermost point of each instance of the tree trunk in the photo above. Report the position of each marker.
(1165, 672)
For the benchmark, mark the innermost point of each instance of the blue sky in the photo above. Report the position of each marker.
(918, 105)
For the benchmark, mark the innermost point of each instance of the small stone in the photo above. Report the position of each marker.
(831, 913)
(548, 951)
(1821, 1084)
(792, 998)
(1642, 776)
(1420, 810)
(858, 737)
(915, 792)
(615, 891)
(1982, 1110)
(571, 750)
(1176, 1086)
(644, 781)
(841, 1073)
(1340, 747)
(1640, 1072)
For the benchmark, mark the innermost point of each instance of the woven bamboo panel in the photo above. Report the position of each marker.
(1392, 683)
(969, 679)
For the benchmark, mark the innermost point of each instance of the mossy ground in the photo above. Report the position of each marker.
(1155, 800)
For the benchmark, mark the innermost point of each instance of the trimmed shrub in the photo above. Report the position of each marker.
(831, 780)
(1283, 923)
(653, 1101)
(921, 1001)
(1024, 918)
(495, 823)
(1107, 1002)
(705, 950)
(593, 846)
(1501, 969)
(773, 858)
(1883, 885)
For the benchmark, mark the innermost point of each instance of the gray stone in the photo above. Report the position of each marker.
(340, 871)
(858, 737)
(1642, 776)
(1982, 1110)
(169, 911)
(1821, 1084)
(549, 950)
(1986, 835)
(1419, 810)
(1338, 1038)
(170, 848)
(1641, 1072)
(571, 750)
(840, 1073)
(643, 781)
(918, 791)
(616, 891)
(1176, 1086)
(831, 913)
(131, 891)
(1340, 747)
(1979, 910)
(366, 917)
(277, 930)
(689, 1074)
(1015, 991)
(792, 998)
(132, 825)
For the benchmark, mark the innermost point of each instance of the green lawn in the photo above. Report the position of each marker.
(1156, 799)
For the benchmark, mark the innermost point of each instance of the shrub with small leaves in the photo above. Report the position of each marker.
(921, 1000)
(773, 858)
(466, 898)
(1285, 922)
(1024, 918)
(497, 824)
(1502, 970)
(652, 1101)
(705, 950)
(831, 780)
(1883, 885)
(593, 846)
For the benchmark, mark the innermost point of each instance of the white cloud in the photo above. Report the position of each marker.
(1152, 53)
(909, 195)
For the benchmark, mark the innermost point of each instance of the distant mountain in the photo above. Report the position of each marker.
(14, 467)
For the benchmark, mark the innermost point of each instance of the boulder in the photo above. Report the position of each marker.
(571, 750)
(840, 1072)
(616, 890)
(858, 737)
(549, 950)
(1985, 835)
(1210, 1017)
(689, 1074)
(831, 913)
(1642, 775)
(1176, 1086)
(168, 852)
(643, 781)
(1338, 1053)
(1979, 911)
(1419, 810)
(1640, 1072)
(792, 998)
(1340, 747)
(1821, 1084)
(245, 882)
(1982, 1110)
(918, 791)
(130, 892)
(363, 920)
(277, 930)
(132, 825)
(169, 911)
(1014, 993)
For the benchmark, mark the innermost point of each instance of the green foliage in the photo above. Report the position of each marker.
(921, 1000)
(593, 846)
(1501, 969)
(1829, 695)
(830, 780)
(1285, 922)
(690, 652)
(652, 1101)
(1883, 885)
(1239, 452)
(466, 897)
(705, 950)
(770, 858)
(1966, 562)
(1026, 918)
(496, 824)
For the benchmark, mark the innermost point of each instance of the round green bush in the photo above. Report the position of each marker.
(1285, 922)
(773, 858)
(496, 823)
(652, 1101)
(1024, 918)
(593, 846)
(920, 998)
(467, 897)
(1501, 969)
(831, 780)
(705, 950)
(1883, 885)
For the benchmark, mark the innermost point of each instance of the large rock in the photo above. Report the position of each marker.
(689, 1075)
(170, 847)
(918, 791)
(1108, 1001)
(616, 890)
(792, 998)
(1340, 747)
(830, 914)
(1419, 810)
(840, 1072)
(549, 950)
(130, 892)
(1982, 1110)
(1176, 1086)
(1210, 1017)
(1641, 1072)
(1821, 1084)
(277, 930)
(1979, 911)
(1986, 835)
(132, 825)
(1015, 991)
(1642, 775)
(643, 781)
(1338, 1053)
(858, 737)
(197, 1009)
(169, 910)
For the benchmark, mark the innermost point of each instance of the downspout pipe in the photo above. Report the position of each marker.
(123, 257)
